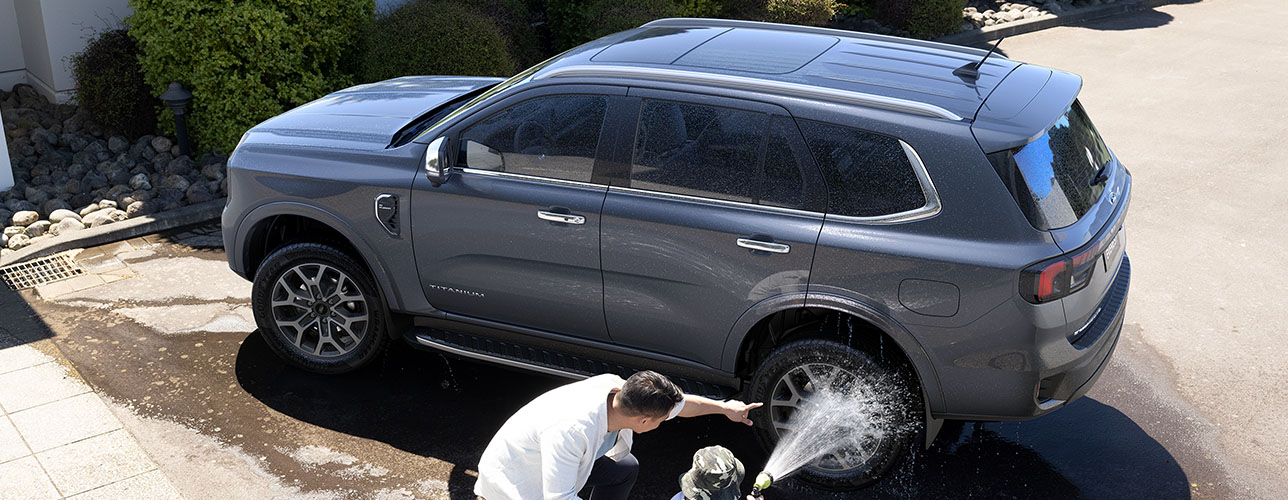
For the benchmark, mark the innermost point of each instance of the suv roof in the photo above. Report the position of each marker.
(908, 75)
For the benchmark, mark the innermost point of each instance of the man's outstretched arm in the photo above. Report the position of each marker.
(696, 406)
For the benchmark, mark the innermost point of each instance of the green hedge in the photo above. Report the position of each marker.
(247, 60)
(922, 18)
(803, 12)
(435, 38)
(574, 22)
(109, 85)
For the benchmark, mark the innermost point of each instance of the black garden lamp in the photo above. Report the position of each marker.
(177, 99)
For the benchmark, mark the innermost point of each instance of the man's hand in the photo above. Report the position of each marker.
(737, 410)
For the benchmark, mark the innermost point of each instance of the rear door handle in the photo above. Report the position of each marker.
(764, 246)
(563, 218)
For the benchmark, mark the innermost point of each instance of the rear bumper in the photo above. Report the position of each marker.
(1055, 372)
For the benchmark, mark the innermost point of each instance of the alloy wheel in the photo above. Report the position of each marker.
(793, 392)
(319, 310)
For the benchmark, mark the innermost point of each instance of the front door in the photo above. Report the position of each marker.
(719, 210)
(513, 235)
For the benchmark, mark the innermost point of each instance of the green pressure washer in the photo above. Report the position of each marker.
(763, 481)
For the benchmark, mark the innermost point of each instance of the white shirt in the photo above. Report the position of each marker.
(547, 449)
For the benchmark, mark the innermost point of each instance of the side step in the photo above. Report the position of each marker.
(542, 360)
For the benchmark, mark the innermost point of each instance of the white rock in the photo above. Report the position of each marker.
(25, 218)
(58, 215)
(66, 226)
(89, 209)
(18, 241)
(37, 228)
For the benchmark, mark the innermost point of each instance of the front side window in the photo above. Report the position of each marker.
(867, 174)
(553, 136)
(698, 150)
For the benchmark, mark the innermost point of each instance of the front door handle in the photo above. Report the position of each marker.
(563, 218)
(764, 246)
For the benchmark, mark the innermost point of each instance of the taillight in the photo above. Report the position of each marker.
(1055, 278)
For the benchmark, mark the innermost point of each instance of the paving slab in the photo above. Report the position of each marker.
(64, 422)
(95, 462)
(37, 385)
(15, 356)
(11, 444)
(147, 486)
(23, 479)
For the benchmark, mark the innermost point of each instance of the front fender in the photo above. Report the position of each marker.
(255, 217)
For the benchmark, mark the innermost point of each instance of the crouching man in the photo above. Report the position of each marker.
(580, 435)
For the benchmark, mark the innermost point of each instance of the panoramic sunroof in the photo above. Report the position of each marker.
(645, 48)
(758, 51)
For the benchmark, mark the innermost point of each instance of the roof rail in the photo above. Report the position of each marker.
(690, 22)
(755, 85)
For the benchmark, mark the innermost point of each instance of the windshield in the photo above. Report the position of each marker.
(523, 77)
(1052, 177)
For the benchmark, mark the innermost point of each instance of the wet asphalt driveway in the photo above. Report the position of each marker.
(171, 344)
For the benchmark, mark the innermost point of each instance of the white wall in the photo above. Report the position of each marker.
(11, 60)
(6, 170)
(51, 31)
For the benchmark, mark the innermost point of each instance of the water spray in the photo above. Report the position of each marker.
(763, 481)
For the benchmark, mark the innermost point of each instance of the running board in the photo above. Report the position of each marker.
(541, 360)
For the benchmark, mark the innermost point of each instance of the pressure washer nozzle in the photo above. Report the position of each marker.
(763, 482)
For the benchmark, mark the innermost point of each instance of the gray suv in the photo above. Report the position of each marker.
(757, 210)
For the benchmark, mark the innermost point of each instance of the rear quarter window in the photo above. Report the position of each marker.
(867, 174)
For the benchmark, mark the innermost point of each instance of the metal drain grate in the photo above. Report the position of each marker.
(40, 271)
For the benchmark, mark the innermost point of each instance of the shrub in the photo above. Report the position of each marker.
(803, 12)
(698, 8)
(435, 38)
(244, 61)
(513, 17)
(574, 22)
(922, 18)
(109, 85)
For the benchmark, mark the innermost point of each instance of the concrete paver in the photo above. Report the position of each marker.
(11, 444)
(95, 462)
(64, 422)
(37, 385)
(17, 359)
(147, 486)
(23, 479)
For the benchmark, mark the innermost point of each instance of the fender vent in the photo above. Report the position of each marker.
(40, 271)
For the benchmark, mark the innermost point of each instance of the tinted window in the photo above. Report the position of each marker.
(698, 150)
(867, 174)
(552, 136)
(1051, 177)
(783, 184)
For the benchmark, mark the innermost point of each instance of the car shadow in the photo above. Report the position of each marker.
(19, 324)
(448, 409)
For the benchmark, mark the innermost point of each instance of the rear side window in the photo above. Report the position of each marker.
(867, 174)
(553, 136)
(698, 150)
(1053, 178)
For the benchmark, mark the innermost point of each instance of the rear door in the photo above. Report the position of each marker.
(513, 235)
(713, 211)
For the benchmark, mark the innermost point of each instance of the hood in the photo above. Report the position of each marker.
(366, 116)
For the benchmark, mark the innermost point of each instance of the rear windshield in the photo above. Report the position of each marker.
(1054, 178)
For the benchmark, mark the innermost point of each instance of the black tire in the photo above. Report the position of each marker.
(343, 331)
(899, 412)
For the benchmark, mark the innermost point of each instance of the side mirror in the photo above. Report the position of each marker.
(436, 168)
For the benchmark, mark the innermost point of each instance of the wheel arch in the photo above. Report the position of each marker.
(751, 329)
(256, 239)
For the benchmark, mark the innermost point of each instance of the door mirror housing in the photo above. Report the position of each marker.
(436, 167)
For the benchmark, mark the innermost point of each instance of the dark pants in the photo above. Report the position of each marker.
(612, 480)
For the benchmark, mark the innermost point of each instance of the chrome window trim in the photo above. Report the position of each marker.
(755, 85)
(526, 177)
(930, 209)
(714, 201)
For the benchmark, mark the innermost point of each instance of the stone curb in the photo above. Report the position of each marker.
(990, 33)
(124, 230)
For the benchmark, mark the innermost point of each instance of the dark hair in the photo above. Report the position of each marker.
(649, 393)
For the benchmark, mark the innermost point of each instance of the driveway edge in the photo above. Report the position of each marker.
(117, 231)
(990, 33)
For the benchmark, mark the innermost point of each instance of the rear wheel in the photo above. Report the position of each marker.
(318, 309)
(797, 375)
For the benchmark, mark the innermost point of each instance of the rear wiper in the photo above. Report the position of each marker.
(1102, 174)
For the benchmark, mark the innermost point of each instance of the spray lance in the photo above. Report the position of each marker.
(763, 481)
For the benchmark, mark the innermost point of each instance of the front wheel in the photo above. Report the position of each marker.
(318, 309)
(876, 404)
